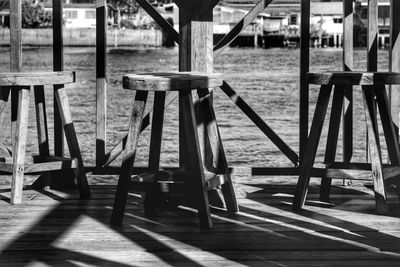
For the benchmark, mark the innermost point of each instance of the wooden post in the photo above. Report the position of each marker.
(58, 65)
(304, 68)
(15, 36)
(348, 66)
(372, 57)
(394, 58)
(101, 81)
(195, 54)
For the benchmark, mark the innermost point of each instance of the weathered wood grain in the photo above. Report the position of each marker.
(354, 78)
(20, 145)
(135, 124)
(101, 81)
(174, 81)
(36, 78)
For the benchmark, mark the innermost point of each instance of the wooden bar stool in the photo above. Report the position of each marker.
(373, 89)
(24, 84)
(191, 178)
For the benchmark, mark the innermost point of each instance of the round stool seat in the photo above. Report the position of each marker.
(171, 81)
(36, 78)
(353, 78)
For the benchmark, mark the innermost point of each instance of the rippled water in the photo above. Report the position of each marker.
(267, 79)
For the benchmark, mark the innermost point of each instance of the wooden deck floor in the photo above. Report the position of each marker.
(57, 229)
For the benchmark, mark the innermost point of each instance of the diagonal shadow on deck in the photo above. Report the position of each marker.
(265, 232)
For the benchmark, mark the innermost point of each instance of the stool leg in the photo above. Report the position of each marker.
(42, 133)
(155, 146)
(73, 145)
(4, 94)
(387, 125)
(331, 144)
(188, 137)
(21, 129)
(135, 124)
(217, 150)
(374, 150)
(311, 147)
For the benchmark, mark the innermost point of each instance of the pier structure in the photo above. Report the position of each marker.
(57, 228)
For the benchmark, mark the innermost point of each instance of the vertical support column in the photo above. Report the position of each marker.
(372, 42)
(58, 65)
(304, 68)
(15, 58)
(195, 54)
(15, 36)
(394, 58)
(348, 66)
(101, 81)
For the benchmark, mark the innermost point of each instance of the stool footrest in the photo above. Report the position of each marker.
(174, 180)
(42, 166)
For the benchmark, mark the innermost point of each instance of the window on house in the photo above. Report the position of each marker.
(293, 19)
(90, 14)
(71, 14)
(337, 20)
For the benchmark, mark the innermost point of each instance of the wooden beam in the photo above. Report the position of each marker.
(372, 42)
(248, 18)
(348, 92)
(394, 58)
(58, 65)
(304, 68)
(101, 81)
(260, 123)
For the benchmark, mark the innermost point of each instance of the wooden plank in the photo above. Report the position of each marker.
(36, 78)
(304, 68)
(312, 146)
(135, 124)
(58, 65)
(374, 151)
(241, 25)
(101, 81)
(21, 132)
(260, 123)
(372, 39)
(348, 45)
(173, 81)
(394, 59)
(72, 141)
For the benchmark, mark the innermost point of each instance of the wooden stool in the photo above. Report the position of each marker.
(24, 83)
(373, 89)
(191, 174)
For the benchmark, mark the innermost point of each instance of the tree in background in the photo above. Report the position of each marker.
(120, 7)
(34, 16)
